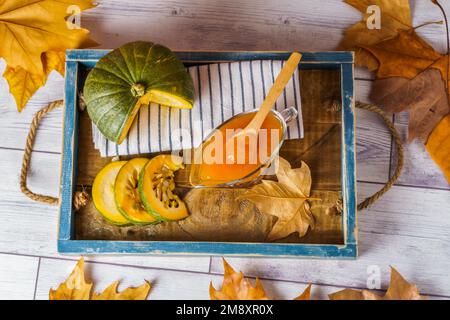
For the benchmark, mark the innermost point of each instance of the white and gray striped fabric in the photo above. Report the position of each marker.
(222, 91)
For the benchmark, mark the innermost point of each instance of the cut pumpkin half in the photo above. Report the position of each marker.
(103, 193)
(156, 185)
(126, 193)
(128, 77)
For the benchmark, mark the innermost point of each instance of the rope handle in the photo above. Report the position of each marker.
(400, 154)
(80, 198)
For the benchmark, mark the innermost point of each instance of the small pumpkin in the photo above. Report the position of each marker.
(156, 185)
(131, 76)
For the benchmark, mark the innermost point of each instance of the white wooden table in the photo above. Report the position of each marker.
(409, 228)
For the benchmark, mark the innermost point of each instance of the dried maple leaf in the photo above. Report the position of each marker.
(306, 295)
(424, 96)
(399, 289)
(23, 84)
(29, 28)
(76, 288)
(110, 293)
(396, 15)
(406, 55)
(35, 35)
(438, 145)
(236, 287)
(285, 199)
(394, 50)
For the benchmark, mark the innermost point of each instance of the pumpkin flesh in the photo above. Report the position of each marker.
(126, 193)
(103, 193)
(156, 185)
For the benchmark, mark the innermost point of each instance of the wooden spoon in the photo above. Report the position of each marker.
(252, 128)
(277, 88)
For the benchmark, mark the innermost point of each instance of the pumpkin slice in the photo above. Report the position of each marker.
(126, 193)
(103, 193)
(133, 75)
(156, 185)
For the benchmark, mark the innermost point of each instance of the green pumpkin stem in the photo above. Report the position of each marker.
(137, 90)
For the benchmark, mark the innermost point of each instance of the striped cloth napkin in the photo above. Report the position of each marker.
(222, 91)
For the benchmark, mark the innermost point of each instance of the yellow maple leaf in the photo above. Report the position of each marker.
(396, 15)
(35, 35)
(23, 84)
(76, 288)
(438, 145)
(306, 295)
(110, 293)
(285, 199)
(399, 289)
(29, 28)
(236, 287)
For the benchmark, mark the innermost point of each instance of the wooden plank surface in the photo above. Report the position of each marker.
(18, 275)
(419, 168)
(407, 228)
(166, 284)
(169, 285)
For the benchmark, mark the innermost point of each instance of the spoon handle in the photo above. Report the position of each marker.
(277, 88)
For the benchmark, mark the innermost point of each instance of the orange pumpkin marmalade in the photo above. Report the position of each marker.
(219, 166)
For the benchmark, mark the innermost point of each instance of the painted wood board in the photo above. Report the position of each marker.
(412, 212)
(419, 169)
(218, 25)
(168, 284)
(18, 276)
(165, 284)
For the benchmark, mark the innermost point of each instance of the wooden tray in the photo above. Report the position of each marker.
(326, 80)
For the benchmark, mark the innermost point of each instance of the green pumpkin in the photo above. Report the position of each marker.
(126, 78)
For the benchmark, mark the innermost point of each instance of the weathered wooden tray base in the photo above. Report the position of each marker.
(215, 215)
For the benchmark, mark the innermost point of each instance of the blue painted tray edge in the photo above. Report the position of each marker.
(68, 245)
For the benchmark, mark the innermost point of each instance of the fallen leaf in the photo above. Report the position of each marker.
(399, 289)
(54, 60)
(75, 287)
(438, 145)
(29, 28)
(306, 295)
(23, 84)
(110, 293)
(400, 52)
(285, 199)
(405, 55)
(424, 96)
(394, 50)
(35, 35)
(236, 287)
(396, 15)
